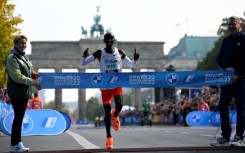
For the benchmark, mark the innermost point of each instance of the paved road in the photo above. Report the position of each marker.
(129, 139)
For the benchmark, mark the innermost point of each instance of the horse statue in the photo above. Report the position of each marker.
(84, 32)
(97, 27)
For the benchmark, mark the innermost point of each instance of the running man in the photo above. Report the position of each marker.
(110, 61)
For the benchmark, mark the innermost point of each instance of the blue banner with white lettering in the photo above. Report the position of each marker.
(37, 122)
(199, 118)
(135, 79)
(215, 117)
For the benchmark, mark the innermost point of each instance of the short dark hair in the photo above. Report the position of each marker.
(109, 34)
(17, 38)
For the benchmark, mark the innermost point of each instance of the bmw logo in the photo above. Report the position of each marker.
(195, 118)
(172, 78)
(97, 80)
(27, 124)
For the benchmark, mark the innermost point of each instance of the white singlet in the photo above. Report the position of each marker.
(110, 62)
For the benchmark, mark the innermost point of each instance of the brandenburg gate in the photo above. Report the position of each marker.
(60, 55)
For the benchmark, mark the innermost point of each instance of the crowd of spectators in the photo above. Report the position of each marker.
(174, 112)
(4, 95)
(33, 103)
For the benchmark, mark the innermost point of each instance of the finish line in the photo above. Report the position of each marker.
(135, 79)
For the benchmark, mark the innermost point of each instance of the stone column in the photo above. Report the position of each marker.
(158, 92)
(82, 104)
(137, 94)
(58, 94)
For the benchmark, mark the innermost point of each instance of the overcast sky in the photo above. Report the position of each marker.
(130, 20)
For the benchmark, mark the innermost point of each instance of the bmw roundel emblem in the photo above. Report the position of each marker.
(195, 119)
(97, 80)
(172, 78)
(27, 124)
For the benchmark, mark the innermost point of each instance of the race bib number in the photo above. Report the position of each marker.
(110, 65)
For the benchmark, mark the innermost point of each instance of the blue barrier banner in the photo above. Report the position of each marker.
(233, 117)
(135, 79)
(82, 122)
(68, 120)
(128, 120)
(137, 119)
(215, 117)
(37, 122)
(4, 110)
(198, 118)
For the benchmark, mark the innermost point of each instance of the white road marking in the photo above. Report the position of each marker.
(206, 135)
(184, 132)
(82, 141)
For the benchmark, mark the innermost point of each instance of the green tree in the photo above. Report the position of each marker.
(94, 108)
(209, 62)
(51, 105)
(8, 28)
(127, 100)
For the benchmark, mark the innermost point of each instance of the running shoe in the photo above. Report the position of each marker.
(237, 141)
(116, 121)
(221, 142)
(109, 143)
(19, 148)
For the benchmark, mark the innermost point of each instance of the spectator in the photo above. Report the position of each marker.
(36, 102)
(187, 109)
(19, 85)
(202, 105)
(231, 57)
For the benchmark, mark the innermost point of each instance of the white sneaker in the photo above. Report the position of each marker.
(237, 141)
(221, 142)
(19, 148)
